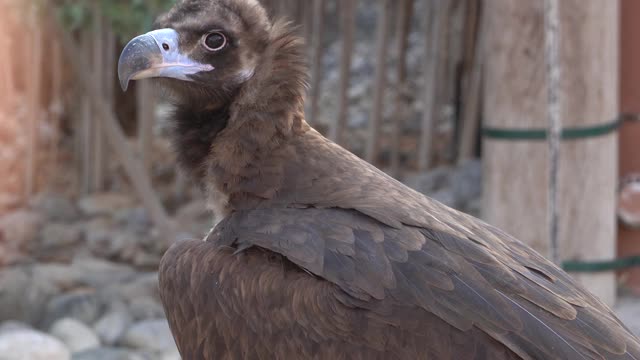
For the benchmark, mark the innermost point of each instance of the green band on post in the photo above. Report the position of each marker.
(567, 134)
(601, 266)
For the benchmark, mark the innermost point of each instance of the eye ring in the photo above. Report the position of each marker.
(215, 41)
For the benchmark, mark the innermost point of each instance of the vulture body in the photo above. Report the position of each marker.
(320, 255)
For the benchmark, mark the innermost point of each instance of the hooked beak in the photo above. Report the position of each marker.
(156, 54)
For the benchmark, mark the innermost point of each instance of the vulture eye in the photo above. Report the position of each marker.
(215, 41)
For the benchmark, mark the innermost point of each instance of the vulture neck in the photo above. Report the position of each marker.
(244, 166)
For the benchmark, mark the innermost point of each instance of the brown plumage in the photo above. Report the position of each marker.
(320, 255)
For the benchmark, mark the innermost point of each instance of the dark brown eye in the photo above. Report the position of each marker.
(215, 41)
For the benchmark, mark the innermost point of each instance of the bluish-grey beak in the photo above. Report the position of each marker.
(156, 54)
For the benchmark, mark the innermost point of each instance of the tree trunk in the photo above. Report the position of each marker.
(516, 171)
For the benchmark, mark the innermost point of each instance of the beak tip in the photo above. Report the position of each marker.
(124, 84)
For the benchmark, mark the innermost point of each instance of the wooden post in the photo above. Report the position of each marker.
(348, 19)
(405, 9)
(98, 158)
(86, 129)
(6, 72)
(35, 102)
(516, 171)
(629, 239)
(471, 102)
(380, 81)
(116, 137)
(146, 119)
(434, 37)
(56, 107)
(317, 56)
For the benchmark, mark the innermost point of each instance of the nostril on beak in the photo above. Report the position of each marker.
(166, 46)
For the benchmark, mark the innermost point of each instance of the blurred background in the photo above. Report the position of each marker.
(452, 97)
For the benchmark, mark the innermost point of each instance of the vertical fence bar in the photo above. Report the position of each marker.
(86, 147)
(146, 117)
(56, 108)
(471, 96)
(98, 142)
(405, 10)
(109, 85)
(34, 91)
(432, 48)
(6, 72)
(319, 7)
(348, 23)
(380, 81)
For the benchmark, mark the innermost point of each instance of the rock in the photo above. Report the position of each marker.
(23, 295)
(195, 218)
(144, 285)
(12, 326)
(430, 182)
(81, 305)
(107, 353)
(145, 308)
(20, 229)
(466, 182)
(31, 345)
(106, 239)
(135, 220)
(112, 326)
(99, 273)
(63, 277)
(146, 260)
(56, 236)
(105, 204)
(76, 335)
(628, 309)
(152, 335)
(445, 196)
(55, 207)
(172, 354)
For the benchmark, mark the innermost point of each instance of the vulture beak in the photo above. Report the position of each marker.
(156, 54)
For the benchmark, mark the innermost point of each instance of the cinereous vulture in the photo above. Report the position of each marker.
(317, 254)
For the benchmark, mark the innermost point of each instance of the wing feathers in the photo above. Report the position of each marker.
(494, 284)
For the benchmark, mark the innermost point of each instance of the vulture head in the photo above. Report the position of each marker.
(227, 68)
(203, 51)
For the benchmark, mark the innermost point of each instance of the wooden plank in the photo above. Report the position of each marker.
(472, 85)
(8, 85)
(56, 107)
(86, 129)
(405, 10)
(319, 11)
(98, 143)
(348, 24)
(146, 118)
(516, 173)
(118, 142)
(35, 104)
(434, 36)
(380, 81)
